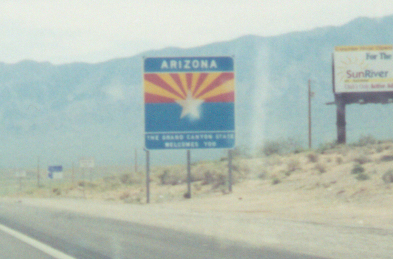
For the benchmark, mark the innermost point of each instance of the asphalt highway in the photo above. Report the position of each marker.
(11, 247)
(72, 235)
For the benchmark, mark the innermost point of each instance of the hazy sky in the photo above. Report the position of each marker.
(64, 31)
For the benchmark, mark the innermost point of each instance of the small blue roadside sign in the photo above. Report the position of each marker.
(189, 102)
(54, 169)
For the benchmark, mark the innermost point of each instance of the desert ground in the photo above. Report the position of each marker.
(334, 202)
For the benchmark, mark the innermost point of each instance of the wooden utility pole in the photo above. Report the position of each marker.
(136, 161)
(38, 172)
(310, 94)
(73, 174)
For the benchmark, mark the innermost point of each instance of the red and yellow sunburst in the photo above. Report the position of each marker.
(172, 87)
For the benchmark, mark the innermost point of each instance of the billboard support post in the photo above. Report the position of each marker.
(147, 176)
(188, 174)
(341, 129)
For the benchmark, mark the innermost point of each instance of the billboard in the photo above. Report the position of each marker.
(189, 102)
(86, 162)
(363, 69)
(20, 174)
(55, 172)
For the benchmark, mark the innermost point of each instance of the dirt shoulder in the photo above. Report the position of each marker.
(294, 223)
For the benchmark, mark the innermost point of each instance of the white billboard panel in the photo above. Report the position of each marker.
(86, 162)
(57, 175)
(20, 174)
(363, 69)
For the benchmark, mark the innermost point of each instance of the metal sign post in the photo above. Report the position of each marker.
(147, 176)
(230, 168)
(188, 195)
(86, 163)
(19, 175)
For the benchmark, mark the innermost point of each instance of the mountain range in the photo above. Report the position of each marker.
(59, 113)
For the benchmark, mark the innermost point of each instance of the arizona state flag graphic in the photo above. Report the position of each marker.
(189, 102)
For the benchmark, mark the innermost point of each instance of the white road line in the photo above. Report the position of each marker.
(36, 244)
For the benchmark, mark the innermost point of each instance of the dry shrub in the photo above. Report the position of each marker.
(271, 147)
(366, 140)
(197, 186)
(56, 191)
(171, 178)
(92, 185)
(241, 151)
(281, 147)
(320, 168)
(362, 159)
(81, 183)
(127, 197)
(293, 165)
(240, 172)
(127, 179)
(208, 178)
(388, 176)
(312, 157)
(323, 148)
(200, 172)
(124, 195)
(276, 181)
(215, 178)
(262, 175)
(357, 169)
(386, 158)
(221, 180)
(111, 182)
(362, 177)
(339, 160)
(273, 161)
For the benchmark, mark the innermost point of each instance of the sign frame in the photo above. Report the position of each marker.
(180, 135)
